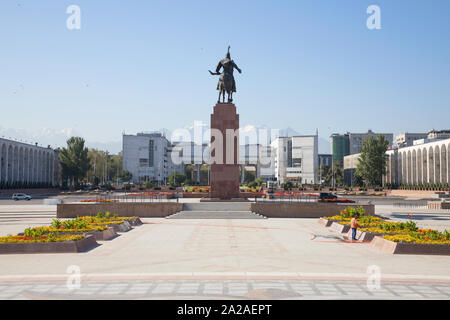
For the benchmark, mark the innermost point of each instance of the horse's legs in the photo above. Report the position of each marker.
(218, 99)
(223, 96)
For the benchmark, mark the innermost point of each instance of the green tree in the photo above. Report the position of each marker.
(259, 181)
(204, 169)
(372, 162)
(125, 176)
(176, 179)
(249, 176)
(337, 172)
(74, 160)
(105, 167)
(357, 180)
(287, 185)
(324, 173)
(189, 172)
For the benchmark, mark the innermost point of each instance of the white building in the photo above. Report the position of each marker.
(296, 159)
(28, 164)
(148, 157)
(426, 163)
(257, 158)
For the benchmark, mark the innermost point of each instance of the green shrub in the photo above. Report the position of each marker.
(56, 223)
(433, 235)
(360, 211)
(411, 226)
(366, 219)
(446, 235)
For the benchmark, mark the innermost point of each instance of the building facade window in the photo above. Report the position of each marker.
(289, 153)
(151, 152)
(143, 163)
(297, 162)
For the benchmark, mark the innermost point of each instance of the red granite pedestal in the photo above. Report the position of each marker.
(224, 172)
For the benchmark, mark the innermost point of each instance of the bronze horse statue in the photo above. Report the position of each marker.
(226, 80)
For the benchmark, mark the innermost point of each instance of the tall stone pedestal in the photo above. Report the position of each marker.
(224, 172)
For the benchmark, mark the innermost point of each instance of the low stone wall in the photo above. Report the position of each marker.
(251, 195)
(195, 195)
(438, 205)
(303, 209)
(144, 210)
(410, 248)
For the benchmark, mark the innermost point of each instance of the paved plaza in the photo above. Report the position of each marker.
(221, 259)
(223, 289)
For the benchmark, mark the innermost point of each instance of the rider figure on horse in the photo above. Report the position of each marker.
(226, 80)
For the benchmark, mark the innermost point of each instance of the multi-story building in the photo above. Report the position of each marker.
(340, 146)
(407, 139)
(257, 158)
(350, 164)
(28, 165)
(296, 159)
(148, 156)
(350, 143)
(356, 139)
(438, 134)
(325, 159)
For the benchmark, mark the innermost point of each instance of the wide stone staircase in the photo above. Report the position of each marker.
(216, 210)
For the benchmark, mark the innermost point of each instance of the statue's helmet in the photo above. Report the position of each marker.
(228, 53)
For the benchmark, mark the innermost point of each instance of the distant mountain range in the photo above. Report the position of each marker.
(58, 137)
(55, 138)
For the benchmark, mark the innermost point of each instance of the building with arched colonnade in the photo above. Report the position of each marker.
(426, 163)
(28, 164)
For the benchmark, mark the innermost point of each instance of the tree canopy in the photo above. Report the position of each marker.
(74, 160)
(372, 162)
(176, 179)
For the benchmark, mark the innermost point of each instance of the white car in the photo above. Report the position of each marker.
(21, 196)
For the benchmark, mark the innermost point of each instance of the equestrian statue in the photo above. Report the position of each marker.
(226, 80)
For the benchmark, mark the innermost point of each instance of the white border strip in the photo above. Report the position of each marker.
(218, 275)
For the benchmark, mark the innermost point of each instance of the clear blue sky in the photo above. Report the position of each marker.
(142, 65)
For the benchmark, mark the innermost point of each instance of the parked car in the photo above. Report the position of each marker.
(326, 195)
(21, 196)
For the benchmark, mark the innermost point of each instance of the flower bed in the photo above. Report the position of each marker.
(72, 235)
(97, 201)
(196, 188)
(341, 222)
(422, 236)
(106, 218)
(392, 237)
(118, 225)
(46, 244)
(101, 233)
(405, 244)
(42, 238)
